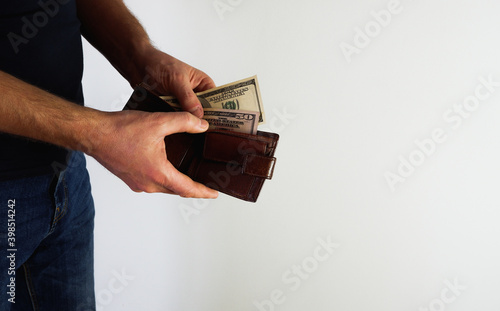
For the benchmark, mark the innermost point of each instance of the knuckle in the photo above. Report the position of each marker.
(175, 187)
(186, 118)
(190, 95)
(175, 73)
(187, 194)
(145, 184)
(173, 77)
(134, 186)
(149, 189)
(137, 188)
(165, 183)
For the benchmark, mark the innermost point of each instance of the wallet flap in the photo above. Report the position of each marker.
(225, 146)
(248, 154)
(259, 166)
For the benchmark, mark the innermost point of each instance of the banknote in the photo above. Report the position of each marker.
(240, 95)
(233, 120)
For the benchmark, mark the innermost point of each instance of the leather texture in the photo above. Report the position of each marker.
(234, 163)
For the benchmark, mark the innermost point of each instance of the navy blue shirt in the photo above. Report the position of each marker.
(40, 43)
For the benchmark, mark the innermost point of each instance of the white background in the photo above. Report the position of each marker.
(344, 126)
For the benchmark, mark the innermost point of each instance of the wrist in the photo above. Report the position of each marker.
(90, 132)
(141, 60)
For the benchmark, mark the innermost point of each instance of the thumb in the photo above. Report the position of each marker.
(179, 122)
(187, 98)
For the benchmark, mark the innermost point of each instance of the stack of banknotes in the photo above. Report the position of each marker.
(235, 106)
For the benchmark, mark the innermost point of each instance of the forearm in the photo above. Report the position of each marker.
(111, 28)
(28, 111)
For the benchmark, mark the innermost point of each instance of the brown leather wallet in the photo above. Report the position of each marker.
(233, 163)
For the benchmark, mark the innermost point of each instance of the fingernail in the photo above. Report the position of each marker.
(203, 124)
(198, 111)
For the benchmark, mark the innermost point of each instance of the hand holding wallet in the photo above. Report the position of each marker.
(234, 163)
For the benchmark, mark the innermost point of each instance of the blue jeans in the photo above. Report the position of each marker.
(46, 241)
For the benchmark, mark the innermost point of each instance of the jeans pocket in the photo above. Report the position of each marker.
(60, 199)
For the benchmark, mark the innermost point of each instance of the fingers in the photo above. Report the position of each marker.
(174, 182)
(179, 122)
(185, 186)
(188, 189)
(185, 89)
(206, 83)
(186, 96)
(174, 77)
(168, 179)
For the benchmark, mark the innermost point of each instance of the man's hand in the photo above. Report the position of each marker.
(113, 30)
(131, 146)
(136, 139)
(169, 76)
